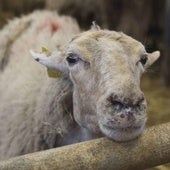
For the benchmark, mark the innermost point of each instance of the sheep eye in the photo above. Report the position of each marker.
(143, 59)
(72, 58)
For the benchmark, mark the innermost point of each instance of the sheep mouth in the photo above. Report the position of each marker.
(130, 128)
(121, 134)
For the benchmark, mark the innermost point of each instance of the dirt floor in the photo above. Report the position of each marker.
(158, 99)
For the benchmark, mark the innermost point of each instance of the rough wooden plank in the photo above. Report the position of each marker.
(151, 149)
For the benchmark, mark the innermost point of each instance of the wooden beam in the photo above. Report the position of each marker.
(166, 57)
(151, 149)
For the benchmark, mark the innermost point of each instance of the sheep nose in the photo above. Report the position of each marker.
(135, 103)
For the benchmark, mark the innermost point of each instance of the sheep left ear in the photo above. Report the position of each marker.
(152, 57)
(53, 61)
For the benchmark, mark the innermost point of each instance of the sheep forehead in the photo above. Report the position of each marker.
(86, 44)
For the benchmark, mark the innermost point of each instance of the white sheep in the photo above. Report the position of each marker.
(98, 94)
(23, 82)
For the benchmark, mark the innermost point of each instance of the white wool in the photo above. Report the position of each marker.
(23, 82)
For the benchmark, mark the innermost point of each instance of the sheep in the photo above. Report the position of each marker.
(20, 75)
(96, 92)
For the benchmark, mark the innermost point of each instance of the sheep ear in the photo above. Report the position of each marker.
(53, 61)
(95, 27)
(152, 57)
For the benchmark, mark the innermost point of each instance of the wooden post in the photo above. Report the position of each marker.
(166, 59)
(151, 149)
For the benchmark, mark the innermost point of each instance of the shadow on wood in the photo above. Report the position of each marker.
(151, 149)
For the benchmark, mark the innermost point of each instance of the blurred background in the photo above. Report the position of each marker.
(146, 20)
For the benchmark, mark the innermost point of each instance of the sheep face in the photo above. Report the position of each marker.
(105, 68)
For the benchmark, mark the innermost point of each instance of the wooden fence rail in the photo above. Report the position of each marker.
(151, 149)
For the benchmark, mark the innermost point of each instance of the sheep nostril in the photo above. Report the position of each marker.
(139, 101)
(116, 104)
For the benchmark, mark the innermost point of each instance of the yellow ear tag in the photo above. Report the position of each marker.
(44, 50)
(54, 73)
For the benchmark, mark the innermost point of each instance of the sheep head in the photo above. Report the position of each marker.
(105, 68)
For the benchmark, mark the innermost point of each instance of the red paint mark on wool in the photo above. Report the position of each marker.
(54, 26)
(50, 25)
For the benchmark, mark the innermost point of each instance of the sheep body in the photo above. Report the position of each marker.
(29, 100)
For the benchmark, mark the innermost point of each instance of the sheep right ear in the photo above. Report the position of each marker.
(53, 61)
(95, 27)
(152, 57)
